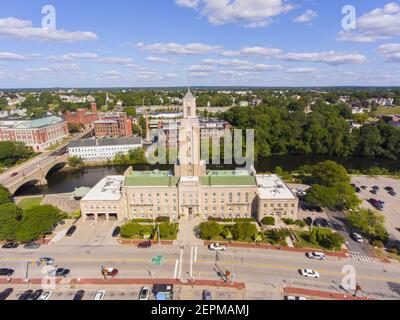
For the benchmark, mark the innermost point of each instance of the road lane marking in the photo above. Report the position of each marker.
(195, 254)
(180, 264)
(191, 262)
(176, 268)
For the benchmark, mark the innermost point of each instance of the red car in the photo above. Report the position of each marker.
(111, 272)
(144, 245)
(14, 174)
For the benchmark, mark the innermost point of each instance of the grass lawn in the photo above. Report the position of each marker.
(303, 243)
(388, 111)
(28, 203)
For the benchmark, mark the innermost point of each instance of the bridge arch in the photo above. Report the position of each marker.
(54, 168)
(25, 183)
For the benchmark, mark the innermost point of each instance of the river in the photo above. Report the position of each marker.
(64, 181)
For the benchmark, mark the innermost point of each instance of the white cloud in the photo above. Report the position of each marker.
(160, 60)
(23, 29)
(391, 51)
(171, 76)
(74, 56)
(242, 65)
(306, 16)
(9, 56)
(187, 3)
(302, 70)
(328, 57)
(249, 13)
(226, 62)
(258, 67)
(380, 23)
(253, 51)
(116, 60)
(65, 67)
(178, 49)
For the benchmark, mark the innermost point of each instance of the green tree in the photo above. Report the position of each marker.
(10, 216)
(209, 230)
(244, 230)
(75, 162)
(37, 222)
(5, 196)
(131, 111)
(329, 173)
(370, 223)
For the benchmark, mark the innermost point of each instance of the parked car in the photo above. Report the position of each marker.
(308, 221)
(357, 237)
(392, 193)
(144, 245)
(375, 188)
(99, 295)
(46, 260)
(144, 293)
(308, 273)
(216, 247)
(79, 295)
(389, 189)
(357, 189)
(32, 245)
(45, 296)
(71, 231)
(207, 295)
(316, 255)
(6, 293)
(25, 295)
(10, 245)
(116, 232)
(294, 298)
(337, 227)
(35, 295)
(6, 272)
(364, 187)
(374, 191)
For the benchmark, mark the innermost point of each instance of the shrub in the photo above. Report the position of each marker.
(135, 230)
(300, 223)
(377, 243)
(288, 221)
(168, 230)
(244, 230)
(162, 219)
(268, 221)
(209, 230)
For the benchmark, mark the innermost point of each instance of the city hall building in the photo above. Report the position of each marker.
(191, 191)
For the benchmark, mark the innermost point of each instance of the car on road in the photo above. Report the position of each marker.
(316, 255)
(375, 188)
(100, 295)
(364, 187)
(110, 272)
(375, 191)
(207, 295)
(35, 295)
(144, 293)
(116, 232)
(14, 174)
(308, 273)
(60, 272)
(10, 245)
(357, 237)
(392, 193)
(46, 260)
(144, 245)
(6, 272)
(216, 247)
(6, 293)
(32, 245)
(79, 295)
(71, 231)
(25, 295)
(338, 227)
(45, 296)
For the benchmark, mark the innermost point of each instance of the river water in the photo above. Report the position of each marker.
(64, 181)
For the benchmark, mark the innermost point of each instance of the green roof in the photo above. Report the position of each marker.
(39, 123)
(228, 180)
(150, 179)
(81, 192)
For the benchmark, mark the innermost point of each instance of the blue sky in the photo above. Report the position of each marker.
(212, 42)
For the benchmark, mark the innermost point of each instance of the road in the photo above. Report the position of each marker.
(264, 272)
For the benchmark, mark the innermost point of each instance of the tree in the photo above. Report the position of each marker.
(10, 216)
(209, 230)
(75, 162)
(244, 230)
(37, 222)
(130, 111)
(5, 196)
(268, 221)
(370, 223)
(329, 173)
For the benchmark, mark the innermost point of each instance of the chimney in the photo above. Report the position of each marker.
(94, 108)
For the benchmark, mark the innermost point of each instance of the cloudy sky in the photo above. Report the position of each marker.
(211, 42)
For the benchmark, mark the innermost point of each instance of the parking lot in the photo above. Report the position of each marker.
(392, 203)
(90, 233)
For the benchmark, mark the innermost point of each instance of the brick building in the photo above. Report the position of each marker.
(113, 125)
(38, 134)
(83, 117)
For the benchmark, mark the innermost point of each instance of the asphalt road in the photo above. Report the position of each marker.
(264, 272)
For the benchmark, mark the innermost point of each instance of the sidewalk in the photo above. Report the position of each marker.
(322, 295)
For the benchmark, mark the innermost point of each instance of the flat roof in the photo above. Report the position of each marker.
(154, 178)
(105, 142)
(228, 178)
(273, 187)
(108, 189)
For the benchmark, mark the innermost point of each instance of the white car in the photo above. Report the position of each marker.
(45, 295)
(356, 237)
(217, 247)
(308, 273)
(144, 294)
(99, 295)
(316, 255)
(46, 260)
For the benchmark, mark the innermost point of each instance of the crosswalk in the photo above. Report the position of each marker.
(362, 258)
